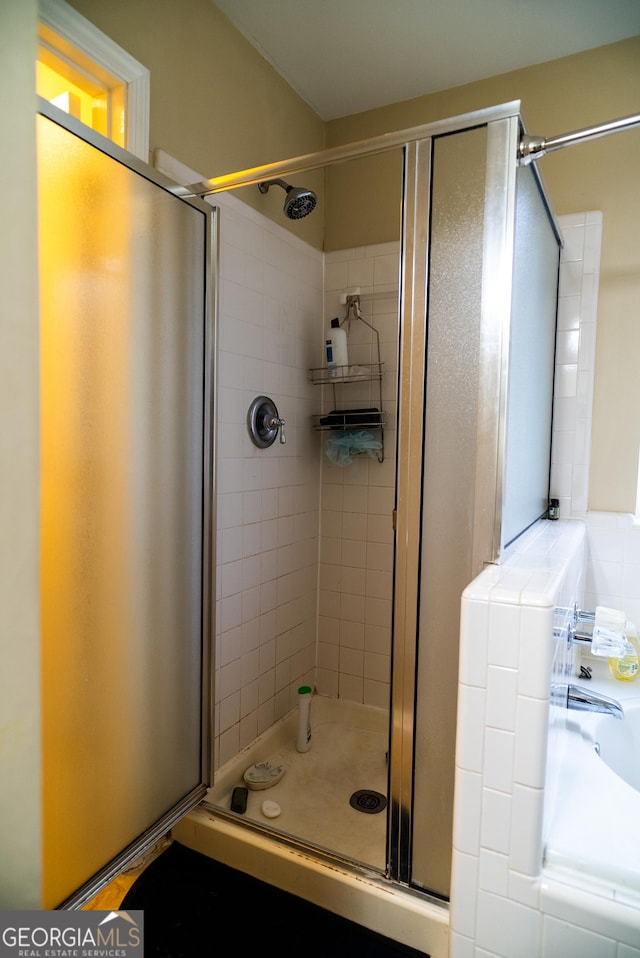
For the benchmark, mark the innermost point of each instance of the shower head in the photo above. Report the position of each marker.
(298, 201)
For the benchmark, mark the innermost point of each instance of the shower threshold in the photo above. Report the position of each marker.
(353, 891)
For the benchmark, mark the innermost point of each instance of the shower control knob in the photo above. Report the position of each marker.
(279, 423)
(263, 422)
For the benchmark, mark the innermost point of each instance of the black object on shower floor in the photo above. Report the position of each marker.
(368, 801)
(196, 907)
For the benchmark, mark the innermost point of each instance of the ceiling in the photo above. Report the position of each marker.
(346, 56)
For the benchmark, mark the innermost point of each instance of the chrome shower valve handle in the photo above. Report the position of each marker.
(276, 423)
(264, 422)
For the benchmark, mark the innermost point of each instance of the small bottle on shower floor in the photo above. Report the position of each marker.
(303, 743)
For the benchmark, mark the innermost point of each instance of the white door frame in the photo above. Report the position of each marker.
(84, 36)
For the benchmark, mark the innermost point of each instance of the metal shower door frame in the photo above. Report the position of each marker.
(408, 538)
(159, 828)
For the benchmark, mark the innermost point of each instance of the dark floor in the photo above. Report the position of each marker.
(195, 907)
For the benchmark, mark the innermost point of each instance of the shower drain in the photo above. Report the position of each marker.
(367, 801)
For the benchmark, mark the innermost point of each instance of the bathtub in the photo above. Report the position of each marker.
(592, 833)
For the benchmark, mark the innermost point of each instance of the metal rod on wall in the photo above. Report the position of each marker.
(533, 147)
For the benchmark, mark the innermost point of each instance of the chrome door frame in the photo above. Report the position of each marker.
(410, 426)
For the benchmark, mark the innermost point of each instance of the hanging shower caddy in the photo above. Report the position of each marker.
(341, 376)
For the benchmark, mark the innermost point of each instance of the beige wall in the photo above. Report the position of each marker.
(557, 97)
(19, 638)
(216, 105)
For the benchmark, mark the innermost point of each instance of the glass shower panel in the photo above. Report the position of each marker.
(531, 360)
(451, 408)
(122, 290)
(493, 272)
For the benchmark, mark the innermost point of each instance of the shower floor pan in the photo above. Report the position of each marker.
(347, 755)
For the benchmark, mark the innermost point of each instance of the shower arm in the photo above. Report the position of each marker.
(533, 147)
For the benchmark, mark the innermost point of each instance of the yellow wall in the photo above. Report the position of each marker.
(19, 639)
(216, 105)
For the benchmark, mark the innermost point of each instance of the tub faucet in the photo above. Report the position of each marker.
(602, 641)
(584, 700)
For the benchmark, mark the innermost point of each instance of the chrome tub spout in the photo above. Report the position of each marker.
(584, 700)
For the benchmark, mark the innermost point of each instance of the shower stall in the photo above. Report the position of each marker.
(462, 298)
(347, 578)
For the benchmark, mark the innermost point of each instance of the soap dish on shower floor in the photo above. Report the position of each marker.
(263, 775)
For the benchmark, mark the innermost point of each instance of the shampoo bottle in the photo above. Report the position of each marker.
(337, 349)
(303, 743)
(626, 668)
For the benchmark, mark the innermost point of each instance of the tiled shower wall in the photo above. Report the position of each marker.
(270, 304)
(356, 554)
(274, 307)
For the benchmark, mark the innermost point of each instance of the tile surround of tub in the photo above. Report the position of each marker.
(502, 904)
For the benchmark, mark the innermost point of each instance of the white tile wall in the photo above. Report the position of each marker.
(270, 301)
(267, 603)
(613, 577)
(276, 298)
(575, 360)
(356, 554)
(508, 613)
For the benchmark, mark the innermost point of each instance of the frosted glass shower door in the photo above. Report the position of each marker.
(532, 341)
(493, 253)
(453, 381)
(124, 514)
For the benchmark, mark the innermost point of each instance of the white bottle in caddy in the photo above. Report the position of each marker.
(336, 347)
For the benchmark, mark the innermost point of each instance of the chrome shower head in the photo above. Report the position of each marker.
(298, 201)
